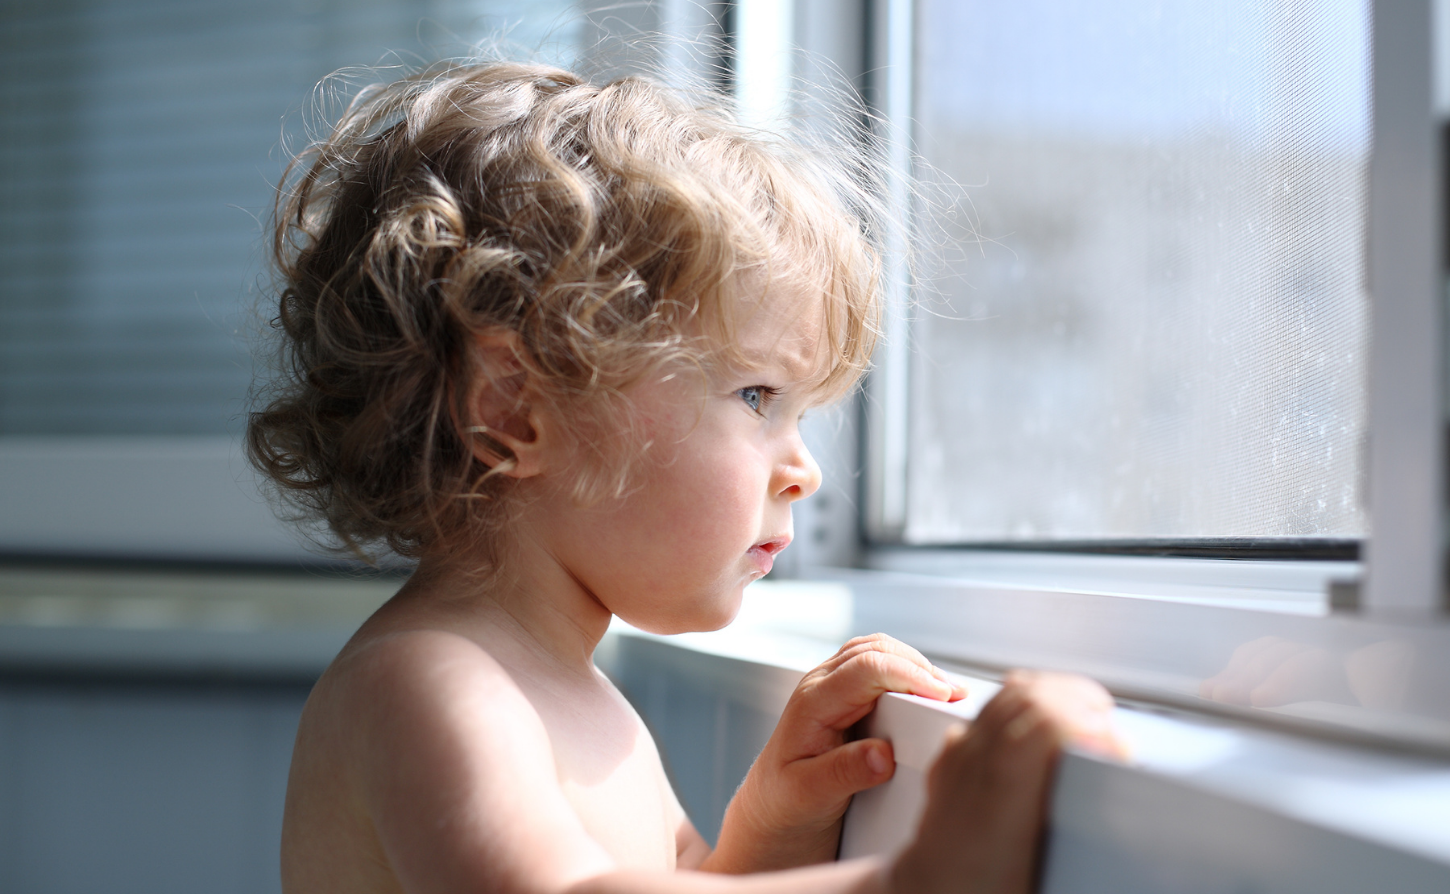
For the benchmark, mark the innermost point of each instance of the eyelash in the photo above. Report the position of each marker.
(764, 395)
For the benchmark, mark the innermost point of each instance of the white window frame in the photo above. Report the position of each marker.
(1152, 628)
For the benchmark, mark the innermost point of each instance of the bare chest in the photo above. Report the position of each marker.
(611, 774)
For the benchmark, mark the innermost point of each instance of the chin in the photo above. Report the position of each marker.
(722, 621)
(713, 614)
(729, 610)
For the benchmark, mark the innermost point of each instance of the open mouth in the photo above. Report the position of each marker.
(764, 553)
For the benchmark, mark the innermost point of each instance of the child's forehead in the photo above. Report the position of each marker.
(778, 326)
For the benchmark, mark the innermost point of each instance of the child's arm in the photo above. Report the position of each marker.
(987, 800)
(454, 770)
(789, 810)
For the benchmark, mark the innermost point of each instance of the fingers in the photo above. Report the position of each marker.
(941, 775)
(844, 771)
(842, 696)
(1054, 710)
(986, 799)
(793, 816)
(877, 642)
(1005, 757)
(988, 790)
(880, 642)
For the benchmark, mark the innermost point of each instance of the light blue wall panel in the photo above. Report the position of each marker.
(147, 789)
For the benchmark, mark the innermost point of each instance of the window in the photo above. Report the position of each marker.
(1147, 318)
(1188, 307)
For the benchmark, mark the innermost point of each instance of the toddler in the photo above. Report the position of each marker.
(554, 341)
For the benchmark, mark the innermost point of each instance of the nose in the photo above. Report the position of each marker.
(797, 475)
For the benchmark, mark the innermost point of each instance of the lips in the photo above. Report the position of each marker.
(764, 553)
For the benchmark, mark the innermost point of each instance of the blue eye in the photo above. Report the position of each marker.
(757, 397)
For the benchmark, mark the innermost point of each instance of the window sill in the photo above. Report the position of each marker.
(1207, 803)
(1232, 805)
(1378, 680)
(1287, 587)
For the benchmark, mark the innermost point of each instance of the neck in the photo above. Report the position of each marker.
(536, 603)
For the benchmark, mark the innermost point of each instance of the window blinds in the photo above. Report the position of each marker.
(140, 145)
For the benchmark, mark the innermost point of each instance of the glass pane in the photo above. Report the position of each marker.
(1149, 317)
(140, 143)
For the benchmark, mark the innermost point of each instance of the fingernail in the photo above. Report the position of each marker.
(876, 760)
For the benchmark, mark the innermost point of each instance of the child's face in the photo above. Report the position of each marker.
(712, 499)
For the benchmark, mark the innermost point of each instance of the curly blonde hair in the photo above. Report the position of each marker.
(595, 225)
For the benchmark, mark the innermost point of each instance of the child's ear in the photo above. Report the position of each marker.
(506, 431)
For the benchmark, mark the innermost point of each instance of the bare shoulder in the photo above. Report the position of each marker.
(431, 700)
(419, 669)
(413, 752)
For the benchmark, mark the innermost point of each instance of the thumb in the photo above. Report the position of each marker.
(847, 769)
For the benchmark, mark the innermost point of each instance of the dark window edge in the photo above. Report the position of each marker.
(160, 564)
(1316, 549)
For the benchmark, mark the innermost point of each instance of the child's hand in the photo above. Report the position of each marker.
(788, 812)
(987, 793)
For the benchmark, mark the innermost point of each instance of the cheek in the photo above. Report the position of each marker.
(692, 519)
(697, 505)
(719, 486)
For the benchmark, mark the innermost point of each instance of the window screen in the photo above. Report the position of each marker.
(139, 149)
(1148, 318)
